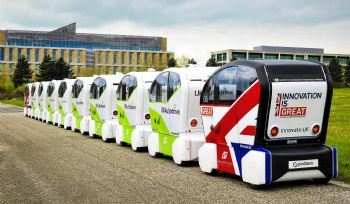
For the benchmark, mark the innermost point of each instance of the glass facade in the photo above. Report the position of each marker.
(314, 58)
(299, 57)
(286, 57)
(2, 53)
(239, 55)
(114, 59)
(70, 56)
(255, 56)
(66, 37)
(54, 54)
(10, 54)
(36, 55)
(343, 60)
(28, 55)
(271, 56)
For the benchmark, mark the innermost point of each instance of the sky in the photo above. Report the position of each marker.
(195, 27)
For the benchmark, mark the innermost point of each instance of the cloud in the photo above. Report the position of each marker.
(195, 27)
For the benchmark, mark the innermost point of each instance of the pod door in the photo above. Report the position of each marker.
(98, 103)
(77, 101)
(51, 105)
(219, 118)
(127, 105)
(176, 100)
(40, 96)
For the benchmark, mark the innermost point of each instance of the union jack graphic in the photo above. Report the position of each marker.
(278, 104)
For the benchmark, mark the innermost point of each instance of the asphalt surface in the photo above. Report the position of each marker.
(47, 164)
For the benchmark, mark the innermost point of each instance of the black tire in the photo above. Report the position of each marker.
(322, 181)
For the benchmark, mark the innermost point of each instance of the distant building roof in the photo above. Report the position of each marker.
(289, 49)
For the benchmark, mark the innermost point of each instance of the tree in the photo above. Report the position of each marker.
(45, 69)
(50, 69)
(182, 61)
(336, 70)
(23, 73)
(171, 62)
(347, 73)
(211, 62)
(62, 70)
(192, 61)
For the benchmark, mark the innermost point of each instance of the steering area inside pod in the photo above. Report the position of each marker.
(64, 112)
(52, 102)
(41, 109)
(173, 104)
(133, 109)
(27, 100)
(34, 100)
(266, 121)
(81, 104)
(103, 103)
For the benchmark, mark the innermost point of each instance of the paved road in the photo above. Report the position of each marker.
(43, 163)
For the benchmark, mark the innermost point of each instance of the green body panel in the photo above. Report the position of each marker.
(166, 140)
(96, 117)
(124, 122)
(40, 108)
(157, 122)
(77, 116)
(49, 110)
(32, 105)
(127, 132)
(166, 144)
(61, 112)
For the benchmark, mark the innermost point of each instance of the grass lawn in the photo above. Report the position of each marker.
(16, 102)
(338, 130)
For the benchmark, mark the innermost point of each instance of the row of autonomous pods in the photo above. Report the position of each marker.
(103, 106)
(266, 121)
(81, 104)
(133, 109)
(176, 122)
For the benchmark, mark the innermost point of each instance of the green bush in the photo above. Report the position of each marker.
(340, 85)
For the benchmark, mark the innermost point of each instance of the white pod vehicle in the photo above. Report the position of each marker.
(64, 112)
(103, 106)
(266, 121)
(133, 109)
(52, 102)
(34, 100)
(27, 99)
(175, 113)
(41, 111)
(81, 104)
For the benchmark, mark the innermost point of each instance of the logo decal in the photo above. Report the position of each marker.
(207, 111)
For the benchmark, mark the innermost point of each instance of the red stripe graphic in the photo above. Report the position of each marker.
(239, 109)
(249, 131)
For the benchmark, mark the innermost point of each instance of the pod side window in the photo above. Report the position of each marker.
(26, 91)
(33, 90)
(41, 87)
(102, 84)
(159, 88)
(246, 76)
(174, 83)
(77, 87)
(62, 89)
(122, 88)
(94, 89)
(50, 89)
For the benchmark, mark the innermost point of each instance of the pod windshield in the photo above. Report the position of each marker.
(62, 89)
(33, 90)
(41, 87)
(164, 86)
(77, 87)
(50, 88)
(126, 87)
(97, 88)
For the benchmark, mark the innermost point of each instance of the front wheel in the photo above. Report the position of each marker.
(322, 180)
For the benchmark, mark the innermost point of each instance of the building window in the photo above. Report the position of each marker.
(224, 56)
(10, 54)
(146, 57)
(130, 57)
(28, 54)
(19, 54)
(107, 58)
(114, 59)
(2, 53)
(254, 56)
(299, 57)
(99, 57)
(45, 52)
(343, 60)
(123, 55)
(122, 70)
(214, 57)
(36, 67)
(286, 57)
(36, 55)
(53, 54)
(271, 56)
(219, 57)
(239, 55)
(62, 54)
(78, 56)
(314, 58)
(114, 69)
(70, 56)
(138, 58)
(10, 67)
